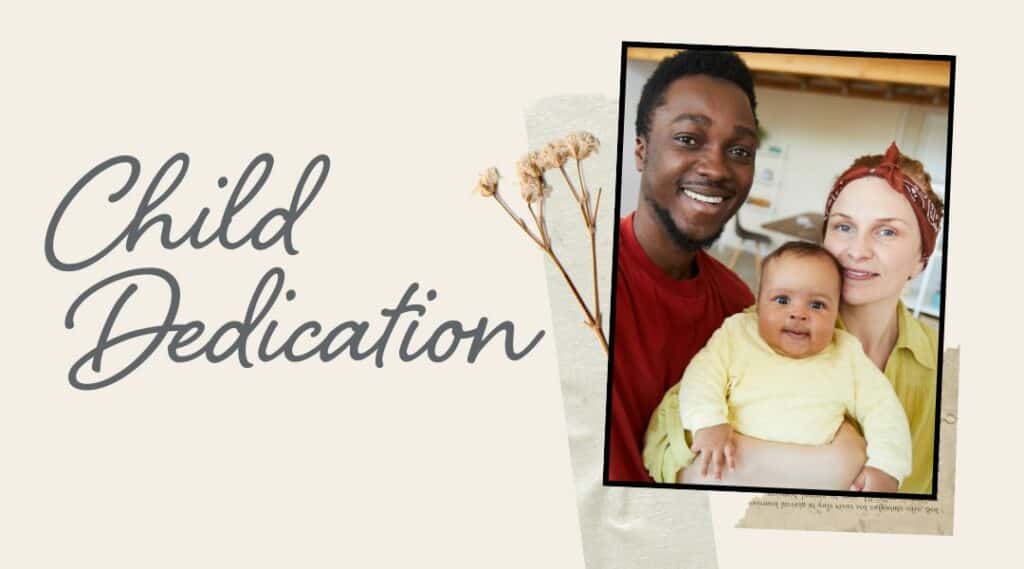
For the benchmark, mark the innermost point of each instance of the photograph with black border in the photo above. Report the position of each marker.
(780, 268)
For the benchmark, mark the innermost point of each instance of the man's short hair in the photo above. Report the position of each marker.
(801, 249)
(724, 65)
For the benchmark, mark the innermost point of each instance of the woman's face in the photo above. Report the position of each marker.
(873, 232)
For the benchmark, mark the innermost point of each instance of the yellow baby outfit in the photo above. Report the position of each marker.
(738, 379)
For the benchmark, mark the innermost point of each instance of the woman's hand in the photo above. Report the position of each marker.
(872, 479)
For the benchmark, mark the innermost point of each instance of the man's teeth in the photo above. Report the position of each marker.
(703, 198)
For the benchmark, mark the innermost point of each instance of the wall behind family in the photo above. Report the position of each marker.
(818, 135)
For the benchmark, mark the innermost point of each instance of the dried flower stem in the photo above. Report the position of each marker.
(542, 226)
(544, 242)
(582, 197)
(530, 171)
(592, 226)
(592, 322)
(586, 194)
(593, 272)
(590, 220)
(572, 188)
(519, 221)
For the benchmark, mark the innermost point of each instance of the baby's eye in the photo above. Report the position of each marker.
(781, 299)
(817, 305)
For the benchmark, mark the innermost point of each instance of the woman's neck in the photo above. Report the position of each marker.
(877, 327)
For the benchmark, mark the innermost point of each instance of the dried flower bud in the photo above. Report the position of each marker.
(527, 168)
(534, 189)
(553, 155)
(531, 177)
(487, 185)
(582, 144)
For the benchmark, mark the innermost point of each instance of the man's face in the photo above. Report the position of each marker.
(697, 161)
(798, 304)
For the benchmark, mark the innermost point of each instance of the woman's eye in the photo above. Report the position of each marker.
(685, 139)
(781, 299)
(818, 305)
(887, 232)
(842, 227)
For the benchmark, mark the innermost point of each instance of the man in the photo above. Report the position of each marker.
(696, 140)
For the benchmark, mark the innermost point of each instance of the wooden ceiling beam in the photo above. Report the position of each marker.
(904, 71)
(938, 100)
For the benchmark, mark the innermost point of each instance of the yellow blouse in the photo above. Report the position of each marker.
(911, 368)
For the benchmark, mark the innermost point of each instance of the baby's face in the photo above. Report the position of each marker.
(798, 304)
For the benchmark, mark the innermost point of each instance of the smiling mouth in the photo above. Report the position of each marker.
(702, 197)
(858, 275)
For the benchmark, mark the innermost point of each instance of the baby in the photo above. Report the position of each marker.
(785, 374)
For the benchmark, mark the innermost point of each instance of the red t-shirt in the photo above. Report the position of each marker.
(660, 324)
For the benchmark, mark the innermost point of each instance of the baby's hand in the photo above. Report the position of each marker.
(715, 446)
(872, 479)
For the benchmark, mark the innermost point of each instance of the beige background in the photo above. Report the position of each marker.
(414, 465)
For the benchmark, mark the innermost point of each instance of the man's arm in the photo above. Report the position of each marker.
(783, 465)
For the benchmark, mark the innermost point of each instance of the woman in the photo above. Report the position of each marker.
(881, 223)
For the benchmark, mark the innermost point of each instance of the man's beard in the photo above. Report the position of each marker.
(681, 239)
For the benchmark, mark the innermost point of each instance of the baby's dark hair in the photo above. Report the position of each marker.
(724, 65)
(802, 249)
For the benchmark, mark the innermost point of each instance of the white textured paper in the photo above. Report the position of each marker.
(621, 527)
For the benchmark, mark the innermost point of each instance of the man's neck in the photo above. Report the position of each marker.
(675, 262)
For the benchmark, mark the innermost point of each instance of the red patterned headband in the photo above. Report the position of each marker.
(928, 217)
